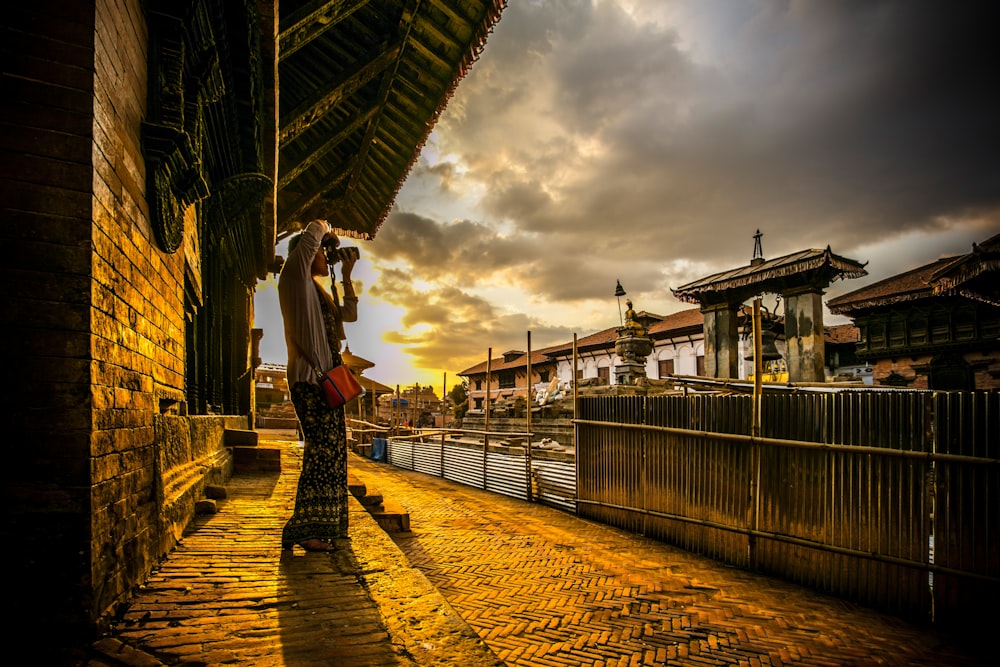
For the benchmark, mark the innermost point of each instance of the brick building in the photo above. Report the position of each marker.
(934, 327)
(151, 160)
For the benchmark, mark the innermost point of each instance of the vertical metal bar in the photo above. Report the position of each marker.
(527, 419)
(933, 415)
(444, 404)
(576, 427)
(758, 369)
(486, 420)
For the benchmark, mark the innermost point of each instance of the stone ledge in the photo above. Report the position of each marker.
(232, 437)
(256, 459)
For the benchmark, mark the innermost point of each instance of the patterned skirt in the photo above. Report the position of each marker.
(321, 497)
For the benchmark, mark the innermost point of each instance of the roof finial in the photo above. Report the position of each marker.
(757, 250)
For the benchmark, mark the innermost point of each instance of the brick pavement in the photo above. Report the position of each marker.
(228, 595)
(545, 588)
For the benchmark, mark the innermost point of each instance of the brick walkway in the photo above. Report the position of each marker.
(545, 588)
(228, 595)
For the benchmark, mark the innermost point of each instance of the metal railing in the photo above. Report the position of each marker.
(489, 460)
(889, 498)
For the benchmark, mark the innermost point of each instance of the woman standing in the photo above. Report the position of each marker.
(313, 319)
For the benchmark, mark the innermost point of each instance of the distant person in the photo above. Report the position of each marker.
(314, 326)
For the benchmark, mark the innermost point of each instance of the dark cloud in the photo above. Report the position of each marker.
(647, 141)
(816, 122)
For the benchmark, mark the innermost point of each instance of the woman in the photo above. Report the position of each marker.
(313, 319)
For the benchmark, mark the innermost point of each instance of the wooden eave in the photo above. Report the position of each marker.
(361, 85)
(770, 275)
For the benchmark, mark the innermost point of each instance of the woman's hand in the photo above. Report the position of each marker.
(348, 257)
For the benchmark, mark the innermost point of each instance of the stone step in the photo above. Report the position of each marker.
(371, 498)
(256, 459)
(357, 488)
(392, 517)
(235, 437)
(366, 496)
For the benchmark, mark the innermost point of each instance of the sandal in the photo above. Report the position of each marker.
(316, 545)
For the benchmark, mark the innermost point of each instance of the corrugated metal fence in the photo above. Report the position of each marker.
(889, 498)
(548, 477)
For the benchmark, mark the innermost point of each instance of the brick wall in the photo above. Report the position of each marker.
(46, 128)
(137, 319)
(103, 468)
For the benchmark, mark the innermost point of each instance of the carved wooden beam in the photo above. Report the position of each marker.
(300, 119)
(312, 20)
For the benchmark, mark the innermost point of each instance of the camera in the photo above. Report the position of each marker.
(334, 253)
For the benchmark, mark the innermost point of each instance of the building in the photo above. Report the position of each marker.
(934, 327)
(678, 349)
(151, 162)
(415, 406)
(271, 385)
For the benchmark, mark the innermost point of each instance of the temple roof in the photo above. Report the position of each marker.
(771, 275)
(361, 85)
(973, 275)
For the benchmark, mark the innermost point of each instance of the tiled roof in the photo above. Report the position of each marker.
(667, 325)
(761, 272)
(971, 274)
(538, 358)
(908, 286)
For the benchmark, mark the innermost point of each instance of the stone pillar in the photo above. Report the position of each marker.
(721, 341)
(804, 334)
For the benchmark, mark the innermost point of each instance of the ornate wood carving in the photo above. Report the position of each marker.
(183, 77)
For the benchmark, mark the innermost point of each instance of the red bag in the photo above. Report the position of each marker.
(340, 386)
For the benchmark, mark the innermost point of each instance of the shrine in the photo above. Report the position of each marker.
(799, 278)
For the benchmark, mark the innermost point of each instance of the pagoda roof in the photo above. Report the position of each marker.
(769, 276)
(973, 275)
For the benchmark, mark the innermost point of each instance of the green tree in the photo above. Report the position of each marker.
(459, 396)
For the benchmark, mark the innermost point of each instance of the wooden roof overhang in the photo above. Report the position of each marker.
(972, 276)
(975, 276)
(361, 84)
(806, 268)
(270, 114)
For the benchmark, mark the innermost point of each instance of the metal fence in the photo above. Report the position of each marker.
(889, 498)
(469, 457)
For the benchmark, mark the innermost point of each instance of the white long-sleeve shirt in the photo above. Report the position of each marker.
(305, 335)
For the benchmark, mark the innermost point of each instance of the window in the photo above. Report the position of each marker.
(579, 374)
(897, 332)
(940, 328)
(918, 331)
(506, 379)
(604, 372)
(876, 335)
(543, 376)
(666, 367)
(479, 385)
(699, 363)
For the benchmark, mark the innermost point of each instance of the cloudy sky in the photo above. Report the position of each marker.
(647, 140)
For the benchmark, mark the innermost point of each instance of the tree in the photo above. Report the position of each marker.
(459, 396)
